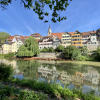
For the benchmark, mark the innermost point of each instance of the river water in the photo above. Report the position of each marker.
(71, 74)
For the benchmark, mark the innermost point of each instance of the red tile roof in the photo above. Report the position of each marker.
(35, 34)
(24, 37)
(71, 33)
(59, 35)
(10, 38)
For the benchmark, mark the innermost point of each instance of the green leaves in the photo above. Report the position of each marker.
(29, 49)
(38, 7)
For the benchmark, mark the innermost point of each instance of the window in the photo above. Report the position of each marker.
(93, 38)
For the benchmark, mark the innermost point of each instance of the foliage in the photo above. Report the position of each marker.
(51, 49)
(84, 49)
(38, 7)
(3, 37)
(98, 50)
(60, 48)
(12, 93)
(53, 89)
(45, 50)
(9, 55)
(29, 49)
(71, 52)
(5, 71)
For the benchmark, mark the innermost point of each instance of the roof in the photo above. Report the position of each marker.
(59, 35)
(47, 36)
(71, 33)
(35, 34)
(88, 33)
(10, 38)
(23, 40)
(24, 37)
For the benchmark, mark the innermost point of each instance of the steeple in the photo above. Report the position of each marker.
(49, 31)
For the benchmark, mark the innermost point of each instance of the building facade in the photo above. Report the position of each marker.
(66, 39)
(45, 42)
(56, 42)
(76, 39)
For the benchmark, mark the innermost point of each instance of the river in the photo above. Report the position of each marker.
(71, 74)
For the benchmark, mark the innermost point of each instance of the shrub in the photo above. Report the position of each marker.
(71, 52)
(51, 49)
(45, 50)
(60, 48)
(5, 71)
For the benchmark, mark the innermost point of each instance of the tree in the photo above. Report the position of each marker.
(3, 37)
(51, 49)
(30, 48)
(39, 5)
(60, 48)
(71, 52)
(45, 50)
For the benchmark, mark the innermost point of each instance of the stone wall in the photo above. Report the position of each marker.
(92, 47)
(50, 55)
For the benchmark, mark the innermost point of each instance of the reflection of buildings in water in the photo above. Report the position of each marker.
(92, 76)
(65, 79)
(48, 73)
(44, 71)
(77, 79)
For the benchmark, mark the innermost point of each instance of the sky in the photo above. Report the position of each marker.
(82, 15)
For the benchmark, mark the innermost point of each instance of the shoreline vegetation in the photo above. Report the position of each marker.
(35, 90)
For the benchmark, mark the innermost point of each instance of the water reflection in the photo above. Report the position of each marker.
(67, 74)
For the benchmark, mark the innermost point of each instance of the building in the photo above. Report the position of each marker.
(37, 36)
(93, 38)
(76, 39)
(5, 47)
(98, 36)
(56, 42)
(66, 39)
(85, 38)
(45, 42)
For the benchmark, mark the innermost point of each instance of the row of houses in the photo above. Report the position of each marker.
(77, 39)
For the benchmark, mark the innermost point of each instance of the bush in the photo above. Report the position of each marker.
(71, 52)
(45, 50)
(5, 71)
(51, 49)
(84, 54)
(60, 48)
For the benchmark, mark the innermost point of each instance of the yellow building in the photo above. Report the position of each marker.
(5, 48)
(14, 47)
(9, 47)
(76, 39)
(66, 39)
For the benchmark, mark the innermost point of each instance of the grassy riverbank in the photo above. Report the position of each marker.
(54, 90)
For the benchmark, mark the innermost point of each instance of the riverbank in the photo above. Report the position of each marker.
(53, 91)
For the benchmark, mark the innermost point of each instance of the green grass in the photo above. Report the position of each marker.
(53, 89)
(12, 93)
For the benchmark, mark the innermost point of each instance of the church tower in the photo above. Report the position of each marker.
(49, 31)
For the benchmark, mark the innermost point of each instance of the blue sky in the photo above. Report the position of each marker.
(82, 15)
